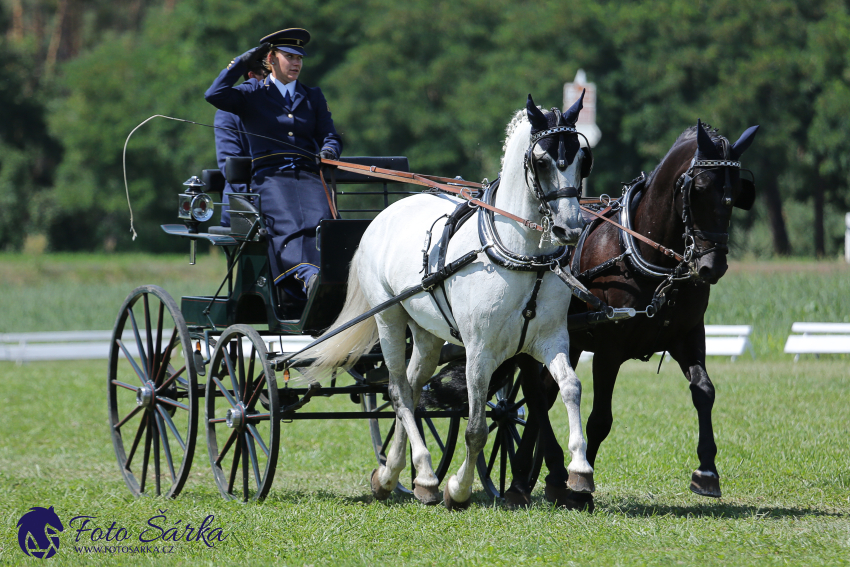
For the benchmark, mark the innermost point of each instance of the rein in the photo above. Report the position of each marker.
(460, 187)
(455, 186)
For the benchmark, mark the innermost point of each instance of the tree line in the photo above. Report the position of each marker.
(436, 81)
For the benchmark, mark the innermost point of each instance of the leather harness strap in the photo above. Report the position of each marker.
(530, 311)
(328, 195)
(456, 186)
(642, 238)
(461, 187)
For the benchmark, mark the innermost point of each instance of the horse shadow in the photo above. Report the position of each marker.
(634, 509)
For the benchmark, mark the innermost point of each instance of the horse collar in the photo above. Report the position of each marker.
(498, 253)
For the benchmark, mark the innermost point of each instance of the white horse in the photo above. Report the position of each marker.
(486, 300)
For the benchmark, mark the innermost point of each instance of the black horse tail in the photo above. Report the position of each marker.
(447, 390)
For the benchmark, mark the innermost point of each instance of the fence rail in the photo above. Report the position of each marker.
(93, 345)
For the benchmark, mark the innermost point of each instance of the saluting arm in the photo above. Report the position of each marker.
(222, 94)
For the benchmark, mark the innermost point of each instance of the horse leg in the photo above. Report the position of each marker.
(556, 489)
(391, 325)
(605, 370)
(518, 495)
(540, 393)
(580, 471)
(690, 355)
(423, 363)
(479, 370)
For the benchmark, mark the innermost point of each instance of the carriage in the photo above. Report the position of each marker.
(510, 309)
(223, 362)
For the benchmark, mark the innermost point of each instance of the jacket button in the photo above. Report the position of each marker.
(289, 115)
(291, 134)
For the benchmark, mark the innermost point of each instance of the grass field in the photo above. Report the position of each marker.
(782, 431)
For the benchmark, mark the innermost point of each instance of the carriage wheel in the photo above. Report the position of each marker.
(242, 415)
(506, 426)
(152, 393)
(439, 434)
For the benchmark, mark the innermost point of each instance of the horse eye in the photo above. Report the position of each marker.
(543, 163)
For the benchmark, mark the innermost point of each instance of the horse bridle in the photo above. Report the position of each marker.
(685, 183)
(530, 167)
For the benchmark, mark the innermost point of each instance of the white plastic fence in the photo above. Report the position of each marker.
(94, 345)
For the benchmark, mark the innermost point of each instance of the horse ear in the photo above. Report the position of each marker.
(535, 116)
(571, 115)
(705, 145)
(744, 141)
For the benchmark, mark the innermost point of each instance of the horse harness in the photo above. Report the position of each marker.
(685, 270)
(501, 256)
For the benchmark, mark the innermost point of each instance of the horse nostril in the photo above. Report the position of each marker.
(559, 233)
(709, 275)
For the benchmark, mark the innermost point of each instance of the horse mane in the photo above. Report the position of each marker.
(689, 135)
(519, 117)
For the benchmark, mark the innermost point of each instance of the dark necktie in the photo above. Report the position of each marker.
(287, 100)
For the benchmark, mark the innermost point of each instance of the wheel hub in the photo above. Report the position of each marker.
(500, 411)
(145, 395)
(235, 417)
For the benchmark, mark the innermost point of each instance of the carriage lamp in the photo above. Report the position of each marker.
(194, 204)
(194, 207)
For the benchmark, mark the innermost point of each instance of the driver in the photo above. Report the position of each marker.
(285, 174)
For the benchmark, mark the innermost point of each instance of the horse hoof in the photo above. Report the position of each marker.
(378, 491)
(563, 497)
(451, 505)
(516, 499)
(428, 495)
(581, 482)
(705, 484)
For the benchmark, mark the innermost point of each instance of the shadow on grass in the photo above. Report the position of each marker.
(720, 509)
(397, 499)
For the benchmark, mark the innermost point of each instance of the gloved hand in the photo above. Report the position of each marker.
(253, 57)
(328, 153)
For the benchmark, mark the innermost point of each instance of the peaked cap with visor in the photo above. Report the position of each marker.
(290, 40)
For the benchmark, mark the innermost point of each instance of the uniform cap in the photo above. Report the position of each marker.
(291, 40)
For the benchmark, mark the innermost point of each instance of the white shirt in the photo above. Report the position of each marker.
(287, 88)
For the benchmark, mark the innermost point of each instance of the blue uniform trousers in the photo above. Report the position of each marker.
(293, 202)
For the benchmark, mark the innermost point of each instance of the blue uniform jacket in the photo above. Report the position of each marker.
(307, 125)
(229, 144)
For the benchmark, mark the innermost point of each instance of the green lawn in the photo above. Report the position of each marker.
(781, 428)
(782, 431)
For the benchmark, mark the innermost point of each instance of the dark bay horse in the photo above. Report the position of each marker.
(685, 204)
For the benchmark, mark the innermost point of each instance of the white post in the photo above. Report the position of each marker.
(847, 238)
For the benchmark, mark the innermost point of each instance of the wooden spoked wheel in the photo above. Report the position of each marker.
(242, 415)
(439, 434)
(506, 425)
(152, 393)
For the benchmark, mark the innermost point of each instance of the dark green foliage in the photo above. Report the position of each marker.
(438, 82)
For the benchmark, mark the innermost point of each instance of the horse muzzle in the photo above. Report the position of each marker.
(711, 267)
(566, 236)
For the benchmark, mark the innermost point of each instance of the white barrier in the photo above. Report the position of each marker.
(94, 345)
(720, 340)
(818, 338)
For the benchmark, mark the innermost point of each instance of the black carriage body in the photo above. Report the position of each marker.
(250, 296)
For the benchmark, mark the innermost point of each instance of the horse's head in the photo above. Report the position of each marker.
(543, 154)
(709, 186)
(556, 165)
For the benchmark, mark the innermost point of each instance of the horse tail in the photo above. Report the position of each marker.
(346, 348)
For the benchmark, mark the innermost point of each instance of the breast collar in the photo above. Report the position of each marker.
(632, 252)
(496, 250)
